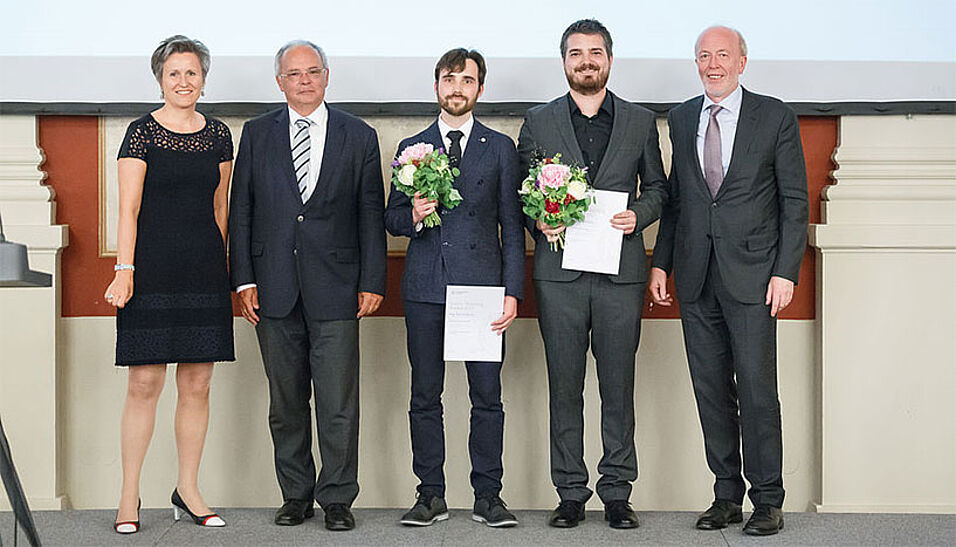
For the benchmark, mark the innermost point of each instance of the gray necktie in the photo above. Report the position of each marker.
(713, 164)
(301, 150)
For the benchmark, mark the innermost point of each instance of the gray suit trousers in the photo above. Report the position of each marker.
(301, 354)
(732, 353)
(591, 311)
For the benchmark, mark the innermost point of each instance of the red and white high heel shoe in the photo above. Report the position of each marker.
(129, 526)
(211, 520)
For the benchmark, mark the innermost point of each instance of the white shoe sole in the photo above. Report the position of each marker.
(126, 528)
(499, 524)
(436, 518)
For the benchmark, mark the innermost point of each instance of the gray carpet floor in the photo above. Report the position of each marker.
(379, 527)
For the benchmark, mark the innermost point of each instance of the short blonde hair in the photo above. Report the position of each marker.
(740, 37)
(178, 44)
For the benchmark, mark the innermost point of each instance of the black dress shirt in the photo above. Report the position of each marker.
(593, 133)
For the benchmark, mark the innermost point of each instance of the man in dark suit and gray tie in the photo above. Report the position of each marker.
(734, 231)
(617, 142)
(307, 256)
(465, 249)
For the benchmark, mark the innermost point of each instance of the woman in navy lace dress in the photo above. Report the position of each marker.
(171, 289)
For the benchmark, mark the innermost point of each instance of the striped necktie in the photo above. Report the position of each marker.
(301, 150)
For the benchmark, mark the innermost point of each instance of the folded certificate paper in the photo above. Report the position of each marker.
(593, 245)
(469, 312)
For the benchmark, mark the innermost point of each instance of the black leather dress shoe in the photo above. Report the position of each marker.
(618, 514)
(766, 521)
(567, 515)
(294, 512)
(338, 517)
(719, 515)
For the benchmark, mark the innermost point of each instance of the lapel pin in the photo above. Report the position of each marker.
(483, 139)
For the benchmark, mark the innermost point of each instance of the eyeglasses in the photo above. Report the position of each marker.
(297, 75)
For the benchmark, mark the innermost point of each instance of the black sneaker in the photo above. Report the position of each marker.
(428, 510)
(492, 511)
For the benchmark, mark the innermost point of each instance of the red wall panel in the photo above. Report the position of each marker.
(71, 145)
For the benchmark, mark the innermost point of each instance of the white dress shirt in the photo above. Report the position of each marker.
(318, 127)
(465, 128)
(726, 120)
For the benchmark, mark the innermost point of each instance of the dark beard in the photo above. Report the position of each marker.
(589, 87)
(466, 107)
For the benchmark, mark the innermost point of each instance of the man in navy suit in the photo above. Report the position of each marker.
(464, 249)
(734, 231)
(307, 256)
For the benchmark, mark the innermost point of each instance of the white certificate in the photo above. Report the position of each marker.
(593, 245)
(469, 312)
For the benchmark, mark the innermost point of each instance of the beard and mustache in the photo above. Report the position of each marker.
(463, 107)
(590, 84)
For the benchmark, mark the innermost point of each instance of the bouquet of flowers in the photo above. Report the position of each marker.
(422, 169)
(555, 193)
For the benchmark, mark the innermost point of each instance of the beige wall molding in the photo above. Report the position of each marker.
(894, 163)
(29, 320)
(923, 509)
(879, 190)
(896, 186)
(886, 260)
(23, 197)
(845, 237)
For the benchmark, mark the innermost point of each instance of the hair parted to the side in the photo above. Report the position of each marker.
(740, 38)
(178, 44)
(587, 26)
(296, 43)
(454, 61)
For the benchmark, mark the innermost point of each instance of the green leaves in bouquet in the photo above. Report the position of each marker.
(434, 179)
(560, 196)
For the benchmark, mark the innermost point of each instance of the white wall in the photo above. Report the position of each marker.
(237, 466)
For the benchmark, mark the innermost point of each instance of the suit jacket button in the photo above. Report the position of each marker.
(714, 204)
(295, 251)
(300, 218)
(472, 246)
(471, 213)
(444, 243)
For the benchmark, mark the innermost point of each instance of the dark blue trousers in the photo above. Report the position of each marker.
(425, 326)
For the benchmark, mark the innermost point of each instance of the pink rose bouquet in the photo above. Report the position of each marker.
(422, 169)
(556, 193)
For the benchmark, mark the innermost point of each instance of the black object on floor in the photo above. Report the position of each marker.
(11, 483)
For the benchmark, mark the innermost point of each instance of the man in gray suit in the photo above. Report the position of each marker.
(734, 232)
(618, 143)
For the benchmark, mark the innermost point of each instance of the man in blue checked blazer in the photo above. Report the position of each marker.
(465, 249)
